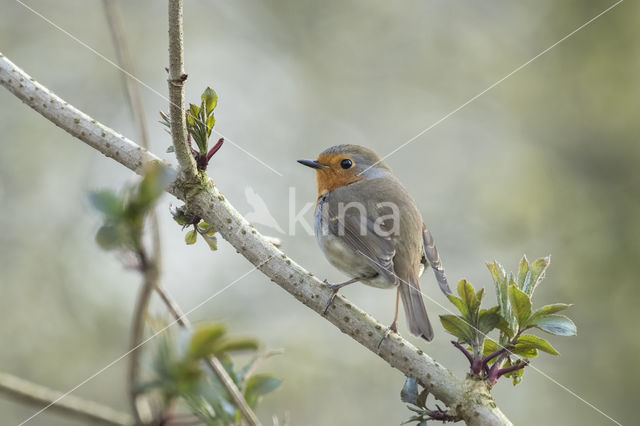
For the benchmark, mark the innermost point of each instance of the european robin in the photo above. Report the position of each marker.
(370, 228)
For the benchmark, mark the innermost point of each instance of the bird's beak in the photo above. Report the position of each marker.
(314, 164)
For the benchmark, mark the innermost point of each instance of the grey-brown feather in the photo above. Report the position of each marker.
(433, 258)
(396, 257)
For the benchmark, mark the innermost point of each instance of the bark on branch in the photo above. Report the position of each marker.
(469, 399)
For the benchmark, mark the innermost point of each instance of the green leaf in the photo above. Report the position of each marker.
(210, 99)
(180, 220)
(504, 327)
(108, 237)
(259, 385)
(193, 114)
(511, 280)
(201, 141)
(559, 325)
(548, 309)
(523, 272)
(182, 217)
(538, 268)
(211, 241)
(107, 202)
(171, 148)
(516, 376)
(524, 351)
(186, 374)
(489, 346)
(459, 304)
(521, 305)
(458, 327)
(488, 319)
(211, 121)
(468, 295)
(190, 237)
(502, 292)
(262, 384)
(204, 227)
(497, 273)
(535, 342)
(203, 339)
(233, 344)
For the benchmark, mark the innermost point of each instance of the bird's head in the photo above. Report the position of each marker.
(343, 165)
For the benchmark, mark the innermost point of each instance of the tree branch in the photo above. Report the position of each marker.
(72, 406)
(469, 399)
(132, 92)
(141, 407)
(177, 78)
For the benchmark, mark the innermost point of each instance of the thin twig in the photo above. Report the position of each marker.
(464, 350)
(132, 90)
(72, 406)
(494, 354)
(212, 362)
(141, 407)
(518, 366)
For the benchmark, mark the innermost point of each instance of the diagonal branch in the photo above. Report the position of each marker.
(470, 399)
(71, 406)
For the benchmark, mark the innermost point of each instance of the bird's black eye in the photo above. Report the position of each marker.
(346, 163)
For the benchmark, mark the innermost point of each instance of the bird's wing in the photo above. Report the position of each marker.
(377, 250)
(432, 256)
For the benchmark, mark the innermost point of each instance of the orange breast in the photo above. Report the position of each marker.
(328, 180)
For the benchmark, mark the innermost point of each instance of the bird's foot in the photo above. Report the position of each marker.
(334, 291)
(392, 328)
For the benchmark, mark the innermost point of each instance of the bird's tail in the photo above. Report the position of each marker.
(417, 318)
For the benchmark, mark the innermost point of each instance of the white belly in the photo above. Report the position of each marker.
(350, 262)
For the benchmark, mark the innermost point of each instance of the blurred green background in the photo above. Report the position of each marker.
(546, 162)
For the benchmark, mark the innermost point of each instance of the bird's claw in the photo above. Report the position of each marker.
(392, 328)
(334, 291)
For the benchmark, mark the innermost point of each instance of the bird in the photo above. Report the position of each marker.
(369, 227)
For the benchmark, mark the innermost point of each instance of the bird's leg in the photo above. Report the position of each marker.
(334, 290)
(394, 325)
